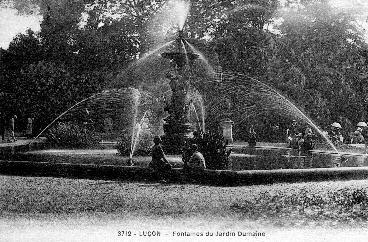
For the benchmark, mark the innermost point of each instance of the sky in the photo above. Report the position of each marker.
(11, 23)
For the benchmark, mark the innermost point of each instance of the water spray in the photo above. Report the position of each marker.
(137, 129)
(61, 115)
(273, 98)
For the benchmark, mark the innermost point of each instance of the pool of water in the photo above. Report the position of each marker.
(242, 158)
(265, 158)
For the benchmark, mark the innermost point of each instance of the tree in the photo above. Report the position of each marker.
(64, 62)
(319, 62)
(25, 49)
(242, 39)
(43, 91)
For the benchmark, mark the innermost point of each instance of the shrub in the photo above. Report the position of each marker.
(143, 146)
(71, 135)
(214, 151)
(213, 147)
(123, 145)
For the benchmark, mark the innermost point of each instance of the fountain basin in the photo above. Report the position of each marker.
(89, 157)
(265, 158)
(208, 177)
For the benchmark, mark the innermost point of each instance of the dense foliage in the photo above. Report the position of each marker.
(213, 146)
(124, 147)
(71, 135)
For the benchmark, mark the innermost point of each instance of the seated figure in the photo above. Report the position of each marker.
(196, 161)
(159, 162)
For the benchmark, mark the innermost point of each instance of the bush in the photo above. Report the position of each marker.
(213, 147)
(214, 151)
(71, 135)
(143, 146)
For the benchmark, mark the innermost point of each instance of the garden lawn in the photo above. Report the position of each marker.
(31, 206)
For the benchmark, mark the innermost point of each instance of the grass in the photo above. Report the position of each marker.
(313, 204)
(44, 209)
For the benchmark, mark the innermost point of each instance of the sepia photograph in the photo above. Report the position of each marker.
(184, 120)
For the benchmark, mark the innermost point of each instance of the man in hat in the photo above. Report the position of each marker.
(357, 137)
(335, 134)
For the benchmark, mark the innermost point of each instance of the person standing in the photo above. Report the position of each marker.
(252, 137)
(293, 135)
(307, 142)
(2, 126)
(12, 128)
(335, 135)
(29, 131)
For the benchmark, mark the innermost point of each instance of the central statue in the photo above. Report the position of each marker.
(177, 127)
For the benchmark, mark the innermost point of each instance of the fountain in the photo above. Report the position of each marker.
(177, 127)
(256, 97)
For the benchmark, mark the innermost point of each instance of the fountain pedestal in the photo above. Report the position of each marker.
(177, 127)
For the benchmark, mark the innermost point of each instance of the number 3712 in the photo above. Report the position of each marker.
(124, 233)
